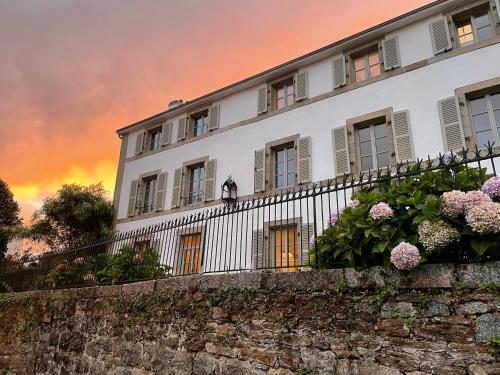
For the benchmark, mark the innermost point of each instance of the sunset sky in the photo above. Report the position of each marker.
(72, 72)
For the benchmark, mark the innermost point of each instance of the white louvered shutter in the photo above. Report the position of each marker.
(306, 232)
(402, 136)
(210, 173)
(451, 124)
(440, 34)
(258, 259)
(132, 198)
(166, 133)
(176, 192)
(213, 117)
(304, 160)
(301, 86)
(259, 171)
(341, 151)
(339, 72)
(262, 100)
(390, 48)
(160, 191)
(139, 143)
(181, 129)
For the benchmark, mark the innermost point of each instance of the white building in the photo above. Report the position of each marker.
(417, 85)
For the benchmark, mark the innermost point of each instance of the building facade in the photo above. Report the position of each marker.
(421, 84)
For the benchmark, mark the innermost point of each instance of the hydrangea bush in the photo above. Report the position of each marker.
(447, 215)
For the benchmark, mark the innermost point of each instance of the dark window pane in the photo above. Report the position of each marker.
(481, 122)
(364, 134)
(484, 33)
(380, 130)
(383, 160)
(381, 144)
(280, 156)
(482, 21)
(483, 138)
(291, 179)
(366, 163)
(365, 148)
(478, 106)
(280, 181)
(495, 101)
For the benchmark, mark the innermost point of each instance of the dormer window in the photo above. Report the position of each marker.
(284, 93)
(200, 123)
(367, 65)
(154, 138)
(474, 28)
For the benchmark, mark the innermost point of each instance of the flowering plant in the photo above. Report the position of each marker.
(405, 256)
(492, 187)
(381, 210)
(435, 235)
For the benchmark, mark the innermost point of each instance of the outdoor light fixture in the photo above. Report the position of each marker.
(229, 193)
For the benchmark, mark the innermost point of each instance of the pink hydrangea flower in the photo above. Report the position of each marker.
(405, 256)
(137, 258)
(355, 203)
(381, 210)
(89, 278)
(474, 198)
(453, 203)
(492, 187)
(61, 267)
(79, 261)
(484, 218)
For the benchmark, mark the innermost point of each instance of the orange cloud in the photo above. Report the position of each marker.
(75, 71)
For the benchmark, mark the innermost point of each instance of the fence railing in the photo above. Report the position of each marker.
(274, 232)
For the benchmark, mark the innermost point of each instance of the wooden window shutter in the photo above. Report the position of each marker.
(259, 171)
(210, 173)
(258, 242)
(176, 192)
(262, 100)
(341, 151)
(306, 232)
(304, 160)
(139, 143)
(402, 136)
(391, 55)
(440, 35)
(213, 117)
(339, 72)
(301, 86)
(166, 133)
(451, 124)
(160, 191)
(132, 199)
(181, 129)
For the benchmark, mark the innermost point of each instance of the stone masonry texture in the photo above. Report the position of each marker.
(435, 320)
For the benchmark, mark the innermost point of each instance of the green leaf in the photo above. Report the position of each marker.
(481, 245)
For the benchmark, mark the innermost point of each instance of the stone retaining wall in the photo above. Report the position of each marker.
(435, 320)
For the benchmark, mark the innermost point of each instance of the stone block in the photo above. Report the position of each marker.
(108, 291)
(183, 283)
(431, 276)
(487, 326)
(318, 360)
(205, 364)
(397, 309)
(141, 287)
(472, 275)
(473, 308)
(435, 309)
(485, 369)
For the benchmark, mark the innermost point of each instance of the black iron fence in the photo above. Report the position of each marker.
(272, 232)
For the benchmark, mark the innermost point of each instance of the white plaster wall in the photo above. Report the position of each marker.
(418, 91)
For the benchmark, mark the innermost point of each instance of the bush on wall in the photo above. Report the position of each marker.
(124, 266)
(439, 216)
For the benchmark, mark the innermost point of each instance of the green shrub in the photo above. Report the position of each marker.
(358, 240)
(494, 345)
(124, 266)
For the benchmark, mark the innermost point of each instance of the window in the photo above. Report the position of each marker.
(474, 28)
(284, 166)
(286, 248)
(154, 138)
(191, 259)
(200, 123)
(367, 65)
(150, 187)
(373, 146)
(284, 93)
(196, 183)
(485, 113)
